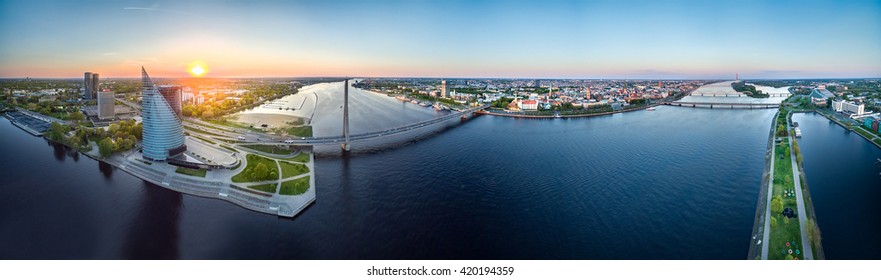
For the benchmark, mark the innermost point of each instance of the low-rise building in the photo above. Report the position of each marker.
(529, 105)
(821, 93)
(848, 107)
(871, 123)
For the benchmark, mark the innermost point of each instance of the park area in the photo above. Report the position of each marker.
(260, 169)
(785, 237)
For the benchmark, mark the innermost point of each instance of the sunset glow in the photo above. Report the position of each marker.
(299, 39)
(197, 71)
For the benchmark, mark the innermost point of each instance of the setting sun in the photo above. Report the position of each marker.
(197, 71)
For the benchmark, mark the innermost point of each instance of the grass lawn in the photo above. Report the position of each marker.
(784, 229)
(863, 131)
(229, 123)
(292, 169)
(300, 131)
(204, 139)
(270, 188)
(272, 149)
(295, 187)
(302, 157)
(253, 160)
(193, 129)
(191, 172)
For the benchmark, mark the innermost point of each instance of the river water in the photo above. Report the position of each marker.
(845, 183)
(675, 183)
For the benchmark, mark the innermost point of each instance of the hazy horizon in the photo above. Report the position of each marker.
(636, 39)
(445, 78)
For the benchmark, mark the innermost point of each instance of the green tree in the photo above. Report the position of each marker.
(773, 222)
(260, 172)
(187, 110)
(105, 147)
(56, 132)
(777, 204)
(75, 142)
(77, 116)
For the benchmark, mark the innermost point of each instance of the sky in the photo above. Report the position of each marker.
(452, 39)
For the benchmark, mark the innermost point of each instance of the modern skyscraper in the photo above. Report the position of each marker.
(90, 85)
(163, 133)
(106, 108)
(172, 95)
(444, 89)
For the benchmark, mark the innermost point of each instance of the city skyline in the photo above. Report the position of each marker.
(456, 39)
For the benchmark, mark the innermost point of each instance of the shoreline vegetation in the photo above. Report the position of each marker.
(749, 90)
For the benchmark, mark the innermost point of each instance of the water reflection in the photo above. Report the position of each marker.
(106, 169)
(154, 232)
(58, 150)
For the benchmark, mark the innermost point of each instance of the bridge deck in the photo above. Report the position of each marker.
(723, 104)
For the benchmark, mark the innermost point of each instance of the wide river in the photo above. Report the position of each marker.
(675, 183)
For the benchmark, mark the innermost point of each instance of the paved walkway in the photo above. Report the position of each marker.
(767, 231)
(799, 199)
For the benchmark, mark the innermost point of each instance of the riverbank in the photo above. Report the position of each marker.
(215, 184)
(484, 112)
(760, 225)
(849, 128)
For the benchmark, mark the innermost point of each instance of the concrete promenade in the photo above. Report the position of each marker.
(216, 184)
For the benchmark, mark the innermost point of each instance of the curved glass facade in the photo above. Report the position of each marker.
(163, 133)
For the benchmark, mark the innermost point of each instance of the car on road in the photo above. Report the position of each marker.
(241, 138)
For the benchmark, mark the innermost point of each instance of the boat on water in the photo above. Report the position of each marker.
(797, 133)
(424, 104)
(650, 109)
